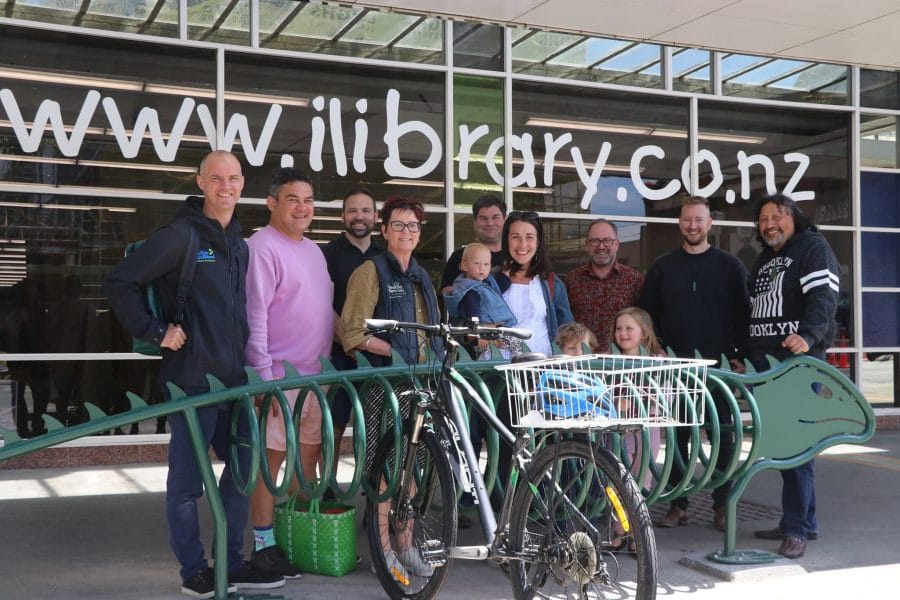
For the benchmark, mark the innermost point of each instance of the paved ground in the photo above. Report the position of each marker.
(99, 533)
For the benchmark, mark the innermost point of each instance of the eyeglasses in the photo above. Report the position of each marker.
(412, 226)
(607, 242)
(527, 215)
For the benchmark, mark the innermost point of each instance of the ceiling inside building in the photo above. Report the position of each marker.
(865, 33)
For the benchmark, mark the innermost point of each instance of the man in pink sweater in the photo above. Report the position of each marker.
(289, 296)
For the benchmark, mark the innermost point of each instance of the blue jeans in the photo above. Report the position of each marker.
(798, 500)
(184, 486)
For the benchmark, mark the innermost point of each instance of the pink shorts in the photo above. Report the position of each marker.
(310, 422)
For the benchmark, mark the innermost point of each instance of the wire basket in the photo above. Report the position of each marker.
(602, 390)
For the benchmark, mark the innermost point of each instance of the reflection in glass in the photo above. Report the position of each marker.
(881, 319)
(610, 125)
(747, 152)
(880, 199)
(878, 141)
(879, 89)
(477, 102)
(573, 56)
(783, 79)
(159, 18)
(350, 31)
(691, 70)
(880, 258)
(478, 46)
(879, 378)
(223, 21)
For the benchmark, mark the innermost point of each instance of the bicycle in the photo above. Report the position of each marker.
(567, 497)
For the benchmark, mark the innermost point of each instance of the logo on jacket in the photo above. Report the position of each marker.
(206, 256)
(395, 290)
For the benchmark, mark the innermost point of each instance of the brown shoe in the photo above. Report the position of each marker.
(719, 519)
(792, 547)
(674, 518)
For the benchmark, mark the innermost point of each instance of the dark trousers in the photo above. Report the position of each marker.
(798, 500)
(184, 487)
(726, 451)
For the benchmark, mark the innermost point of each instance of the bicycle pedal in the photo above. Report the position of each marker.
(433, 553)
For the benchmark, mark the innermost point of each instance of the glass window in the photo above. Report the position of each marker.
(881, 325)
(350, 31)
(128, 126)
(880, 199)
(150, 18)
(575, 129)
(878, 382)
(691, 70)
(879, 89)
(783, 79)
(880, 257)
(478, 46)
(878, 141)
(222, 21)
(748, 152)
(478, 157)
(572, 56)
(382, 129)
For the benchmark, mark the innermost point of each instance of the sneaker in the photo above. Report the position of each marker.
(273, 560)
(394, 566)
(203, 584)
(249, 577)
(412, 560)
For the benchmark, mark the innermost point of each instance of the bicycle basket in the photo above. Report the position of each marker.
(606, 391)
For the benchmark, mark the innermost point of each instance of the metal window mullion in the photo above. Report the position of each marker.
(220, 98)
(449, 138)
(254, 23)
(856, 221)
(715, 73)
(666, 57)
(694, 140)
(182, 20)
(507, 117)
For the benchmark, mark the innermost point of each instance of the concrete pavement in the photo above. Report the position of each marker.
(99, 532)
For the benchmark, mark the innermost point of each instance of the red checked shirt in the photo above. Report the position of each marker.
(595, 301)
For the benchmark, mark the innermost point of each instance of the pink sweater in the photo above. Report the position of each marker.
(289, 294)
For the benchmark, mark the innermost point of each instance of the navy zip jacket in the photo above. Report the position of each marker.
(215, 314)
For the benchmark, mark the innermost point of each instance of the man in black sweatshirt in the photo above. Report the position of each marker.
(209, 339)
(794, 292)
(697, 297)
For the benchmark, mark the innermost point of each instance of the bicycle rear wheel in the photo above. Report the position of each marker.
(409, 535)
(564, 528)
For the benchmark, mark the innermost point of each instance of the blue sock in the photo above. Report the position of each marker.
(263, 537)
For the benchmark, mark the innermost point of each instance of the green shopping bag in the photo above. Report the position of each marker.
(318, 537)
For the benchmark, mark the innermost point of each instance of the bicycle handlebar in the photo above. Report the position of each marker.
(473, 329)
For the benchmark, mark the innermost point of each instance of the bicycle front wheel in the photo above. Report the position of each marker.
(410, 533)
(580, 528)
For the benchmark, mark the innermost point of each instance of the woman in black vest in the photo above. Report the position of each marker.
(391, 286)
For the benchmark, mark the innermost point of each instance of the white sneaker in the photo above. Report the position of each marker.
(412, 560)
(395, 566)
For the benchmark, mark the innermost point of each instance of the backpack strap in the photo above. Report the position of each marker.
(186, 275)
(551, 284)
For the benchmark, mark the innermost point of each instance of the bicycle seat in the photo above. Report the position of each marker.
(527, 357)
(566, 395)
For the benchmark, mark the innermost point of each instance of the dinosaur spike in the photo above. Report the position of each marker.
(773, 362)
(669, 352)
(613, 349)
(135, 400)
(174, 391)
(10, 436)
(396, 358)
(94, 412)
(464, 355)
(361, 361)
(495, 353)
(52, 423)
(327, 366)
(748, 366)
(697, 354)
(725, 366)
(252, 375)
(430, 356)
(215, 384)
(289, 369)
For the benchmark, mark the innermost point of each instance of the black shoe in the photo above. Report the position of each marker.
(248, 577)
(273, 560)
(203, 584)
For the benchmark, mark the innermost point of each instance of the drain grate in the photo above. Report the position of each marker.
(701, 508)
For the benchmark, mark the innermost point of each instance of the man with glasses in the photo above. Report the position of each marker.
(601, 288)
(697, 296)
(489, 214)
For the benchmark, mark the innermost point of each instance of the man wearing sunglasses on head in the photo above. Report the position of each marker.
(602, 287)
